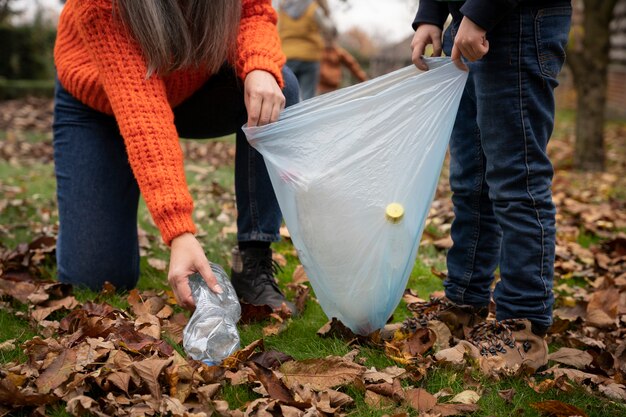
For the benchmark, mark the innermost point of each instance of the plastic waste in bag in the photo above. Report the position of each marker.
(355, 172)
(211, 334)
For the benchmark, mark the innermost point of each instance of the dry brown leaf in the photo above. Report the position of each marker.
(446, 410)
(149, 371)
(543, 386)
(58, 372)
(272, 383)
(377, 401)
(602, 308)
(410, 296)
(420, 399)
(12, 395)
(119, 379)
(555, 408)
(299, 275)
(323, 373)
(335, 328)
(242, 355)
(40, 313)
(507, 395)
(149, 324)
(456, 355)
(614, 391)
(573, 357)
(158, 264)
(372, 376)
(466, 397)
(7, 345)
(81, 405)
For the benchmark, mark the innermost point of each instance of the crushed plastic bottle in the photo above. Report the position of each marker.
(211, 334)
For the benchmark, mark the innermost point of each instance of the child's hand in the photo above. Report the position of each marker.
(425, 35)
(470, 42)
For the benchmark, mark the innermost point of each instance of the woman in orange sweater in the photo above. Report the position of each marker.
(133, 76)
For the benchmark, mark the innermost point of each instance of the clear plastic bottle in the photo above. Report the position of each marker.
(211, 334)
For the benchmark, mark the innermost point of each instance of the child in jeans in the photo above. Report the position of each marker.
(500, 173)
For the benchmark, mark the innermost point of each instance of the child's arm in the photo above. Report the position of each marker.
(428, 25)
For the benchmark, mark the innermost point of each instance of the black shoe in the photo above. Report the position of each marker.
(253, 278)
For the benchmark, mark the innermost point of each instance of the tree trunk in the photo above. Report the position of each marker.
(589, 61)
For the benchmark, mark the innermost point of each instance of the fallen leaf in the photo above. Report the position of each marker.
(602, 308)
(58, 372)
(507, 395)
(324, 373)
(149, 371)
(272, 384)
(299, 275)
(420, 399)
(466, 397)
(555, 408)
(158, 264)
(614, 391)
(573, 357)
(7, 345)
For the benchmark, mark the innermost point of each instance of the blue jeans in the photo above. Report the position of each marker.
(308, 75)
(500, 173)
(98, 194)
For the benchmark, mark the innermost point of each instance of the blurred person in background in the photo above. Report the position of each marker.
(302, 25)
(334, 58)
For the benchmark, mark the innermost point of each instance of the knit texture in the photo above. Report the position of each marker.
(101, 65)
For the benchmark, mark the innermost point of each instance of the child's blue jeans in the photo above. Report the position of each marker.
(98, 194)
(500, 173)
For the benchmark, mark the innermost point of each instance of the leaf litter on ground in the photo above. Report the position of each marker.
(98, 359)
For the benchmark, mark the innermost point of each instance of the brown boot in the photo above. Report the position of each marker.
(458, 318)
(511, 343)
(253, 278)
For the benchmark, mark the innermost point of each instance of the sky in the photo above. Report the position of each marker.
(386, 20)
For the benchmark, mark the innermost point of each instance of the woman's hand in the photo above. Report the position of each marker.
(425, 34)
(187, 257)
(471, 42)
(263, 97)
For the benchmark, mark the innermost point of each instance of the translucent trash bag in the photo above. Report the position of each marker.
(211, 334)
(355, 172)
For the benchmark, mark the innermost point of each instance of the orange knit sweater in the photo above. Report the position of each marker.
(102, 66)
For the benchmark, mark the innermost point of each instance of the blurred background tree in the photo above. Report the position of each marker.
(7, 10)
(588, 58)
(26, 63)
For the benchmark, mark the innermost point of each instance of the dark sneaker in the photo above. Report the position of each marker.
(253, 278)
(513, 342)
(458, 318)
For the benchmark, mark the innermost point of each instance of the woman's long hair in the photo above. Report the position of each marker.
(174, 34)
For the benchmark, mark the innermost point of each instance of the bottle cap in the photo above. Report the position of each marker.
(394, 212)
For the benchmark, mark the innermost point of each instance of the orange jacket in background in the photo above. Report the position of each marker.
(331, 65)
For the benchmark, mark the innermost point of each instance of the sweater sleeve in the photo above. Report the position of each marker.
(258, 42)
(487, 13)
(144, 116)
(432, 12)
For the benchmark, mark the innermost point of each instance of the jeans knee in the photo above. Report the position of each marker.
(291, 90)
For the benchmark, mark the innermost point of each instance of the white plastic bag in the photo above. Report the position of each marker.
(341, 163)
(211, 334)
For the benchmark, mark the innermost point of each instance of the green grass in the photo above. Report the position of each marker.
(34, 184)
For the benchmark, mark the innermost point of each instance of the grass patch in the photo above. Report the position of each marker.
(34, 185)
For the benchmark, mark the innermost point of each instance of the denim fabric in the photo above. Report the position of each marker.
(308, 75)
(98, 194)
(500, 173)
